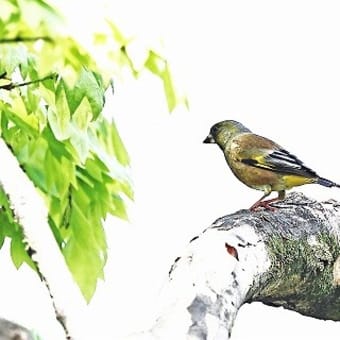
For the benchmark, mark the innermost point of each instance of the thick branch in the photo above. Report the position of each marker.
(289, 257)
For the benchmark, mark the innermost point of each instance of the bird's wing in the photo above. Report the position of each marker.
(265, 154)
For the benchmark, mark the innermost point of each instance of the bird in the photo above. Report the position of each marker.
(260, 163)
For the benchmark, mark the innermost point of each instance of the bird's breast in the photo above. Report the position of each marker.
(256, 178)
(253, 177)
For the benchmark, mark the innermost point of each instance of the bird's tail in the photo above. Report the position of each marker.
(327, 183)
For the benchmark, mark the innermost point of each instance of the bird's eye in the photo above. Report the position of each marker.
(214, 129)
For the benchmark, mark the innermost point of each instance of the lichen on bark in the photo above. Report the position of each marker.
(303, 250)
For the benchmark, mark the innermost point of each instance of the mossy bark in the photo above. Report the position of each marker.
(302, 238)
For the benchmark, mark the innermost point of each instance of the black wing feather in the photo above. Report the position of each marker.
(282, 161)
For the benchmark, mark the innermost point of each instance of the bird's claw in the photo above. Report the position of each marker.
(264, 204)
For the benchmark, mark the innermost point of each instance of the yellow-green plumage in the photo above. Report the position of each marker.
(260, 163)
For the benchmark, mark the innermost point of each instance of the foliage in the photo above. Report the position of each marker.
(51, 103)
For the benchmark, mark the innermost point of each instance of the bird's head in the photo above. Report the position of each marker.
(221, 133)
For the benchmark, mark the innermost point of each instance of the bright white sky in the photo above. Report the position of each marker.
(272, 65)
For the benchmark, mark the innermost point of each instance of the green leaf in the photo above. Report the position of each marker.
(95, 169)
(126, 188)
(5, 209)
(109, 137)
(169, 89)
(117, 34)
(59, 216)
(28, 125)
(2, 234)
(82, 116)
(8, 228)
(32, 102)
(83, 267)
(59, 149)
(57, 182)
(81, 144)
(18, 252)
(59, 118)
(58, 233)
(118, 207)
(89, 86)
(83, 252)
(12, 57)
(160, 67)
(47, 8)
(38, 13)
(82, 177)
(7, 9)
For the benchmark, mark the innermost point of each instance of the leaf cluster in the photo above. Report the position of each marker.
(51, 100)
(52, 96)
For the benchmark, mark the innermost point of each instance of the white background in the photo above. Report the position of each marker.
(272, 65)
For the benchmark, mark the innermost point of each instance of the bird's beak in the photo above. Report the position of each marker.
(209, 139)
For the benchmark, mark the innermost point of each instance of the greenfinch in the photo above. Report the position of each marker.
(260, 163)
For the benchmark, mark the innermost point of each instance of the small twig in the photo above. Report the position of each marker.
(60, 316)
(12, 86)
(25, 39)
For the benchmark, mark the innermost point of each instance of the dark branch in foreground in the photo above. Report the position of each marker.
(289, 257)
(25, 39)
(12, 86)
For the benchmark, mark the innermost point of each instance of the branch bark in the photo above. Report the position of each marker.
(289, 257)
(10, 86)
(19, 39)
(12, 331)
(31, 213)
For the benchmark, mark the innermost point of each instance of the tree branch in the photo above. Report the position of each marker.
(31, 213)
(10, 86)
(12, 331)
(289, 257)
(25, 39)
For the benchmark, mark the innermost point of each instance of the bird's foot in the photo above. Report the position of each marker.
(264, 204)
